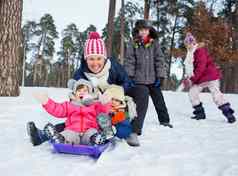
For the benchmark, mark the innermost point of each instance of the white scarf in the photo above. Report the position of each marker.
(188, 62)
(99, 80)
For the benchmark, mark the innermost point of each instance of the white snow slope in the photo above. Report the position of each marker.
(192, 148)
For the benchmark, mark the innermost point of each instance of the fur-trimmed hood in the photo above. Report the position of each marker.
(144, 24)
(73, 84)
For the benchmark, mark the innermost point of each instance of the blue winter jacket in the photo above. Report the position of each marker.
(117, 74)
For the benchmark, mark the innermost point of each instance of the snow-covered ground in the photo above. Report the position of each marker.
(192, 148)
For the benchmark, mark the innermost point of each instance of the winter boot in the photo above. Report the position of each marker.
(52, 134)
(98, 139)
(199, 112)
(36, 135)
(133, 140)
(105, 124)
(166, 124)
(228, 112)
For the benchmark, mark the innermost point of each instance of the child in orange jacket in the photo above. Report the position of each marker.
(120, 118)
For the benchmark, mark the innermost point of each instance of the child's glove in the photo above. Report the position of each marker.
(104, 98)
(41, 97)
(157, 83)
(87, 100)
(187, 83)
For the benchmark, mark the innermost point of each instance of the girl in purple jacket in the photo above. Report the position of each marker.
(200, 73)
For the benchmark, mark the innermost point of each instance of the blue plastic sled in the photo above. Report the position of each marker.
(89, 150)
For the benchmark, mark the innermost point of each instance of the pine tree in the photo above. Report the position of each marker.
(46, 33)
(28, 32)
(110, 26)
(69, 50)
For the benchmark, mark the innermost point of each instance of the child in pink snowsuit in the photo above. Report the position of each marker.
(200, 73)
(81, 113)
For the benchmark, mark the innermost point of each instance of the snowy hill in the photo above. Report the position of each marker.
(191, 148)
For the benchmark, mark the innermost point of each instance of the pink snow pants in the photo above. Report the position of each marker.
(214, 88)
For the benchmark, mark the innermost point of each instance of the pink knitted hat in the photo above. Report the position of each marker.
(189, 39)
(94, 46)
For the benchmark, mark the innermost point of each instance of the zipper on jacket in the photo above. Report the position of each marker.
(82, 120)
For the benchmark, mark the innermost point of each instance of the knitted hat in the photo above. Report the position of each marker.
(94, 46)
(116, 92)
(189, 39)
(82, 82)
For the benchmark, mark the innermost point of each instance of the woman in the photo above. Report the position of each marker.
(96, 68)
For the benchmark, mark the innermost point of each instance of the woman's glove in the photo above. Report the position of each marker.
(104, 98)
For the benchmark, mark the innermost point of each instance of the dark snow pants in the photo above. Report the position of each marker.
(140, 94)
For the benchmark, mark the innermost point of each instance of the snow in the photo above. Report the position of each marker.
(192, 148)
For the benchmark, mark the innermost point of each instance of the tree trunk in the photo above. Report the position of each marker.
(10, 43)
(235, 26)
(110, 27)
(172, 41)
(147, 9)
(23, 66)
(122, 31)
(229, 69)
(157, 14)
(229, 21)
(36, 76)
(65, 77)
(40, 72)
(68, 66)
(46, 74)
